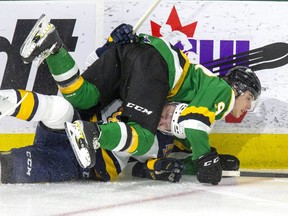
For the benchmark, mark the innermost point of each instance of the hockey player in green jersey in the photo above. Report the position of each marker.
(144, 74)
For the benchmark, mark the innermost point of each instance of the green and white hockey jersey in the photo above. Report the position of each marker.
(209, 97)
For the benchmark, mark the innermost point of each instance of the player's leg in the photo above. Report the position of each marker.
(53, 111)
(44, 43)
(109, 164)
(86, 137)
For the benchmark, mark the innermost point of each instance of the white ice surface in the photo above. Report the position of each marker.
(234, 196)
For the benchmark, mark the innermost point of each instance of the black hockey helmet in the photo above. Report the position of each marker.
(241, 79)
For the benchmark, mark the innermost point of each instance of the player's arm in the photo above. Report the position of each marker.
(196, 121)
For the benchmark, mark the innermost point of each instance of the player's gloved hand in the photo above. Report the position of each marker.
(228, 162)
(209, 168)
(165, 169)
(122, 34)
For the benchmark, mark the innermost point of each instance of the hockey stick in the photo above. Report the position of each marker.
(254, 174)
(14, 107)
(93, 56)
(145, 15)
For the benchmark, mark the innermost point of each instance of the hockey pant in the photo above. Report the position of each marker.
(51, 159)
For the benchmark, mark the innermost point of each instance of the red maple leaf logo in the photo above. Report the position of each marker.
(174, 22)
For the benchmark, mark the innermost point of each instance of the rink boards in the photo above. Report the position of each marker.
(255, 151)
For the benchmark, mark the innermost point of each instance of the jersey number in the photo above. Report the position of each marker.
(220, 107)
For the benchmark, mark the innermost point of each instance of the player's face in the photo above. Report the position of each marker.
(166, 117)
(243, 104)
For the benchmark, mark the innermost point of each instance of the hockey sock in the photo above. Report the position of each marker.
(63, 67)
(13, 101)
(132, 138)
(80, 93)
(53, 111)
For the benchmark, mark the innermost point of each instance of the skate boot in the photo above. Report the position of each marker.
(83, 137)
(42, 41)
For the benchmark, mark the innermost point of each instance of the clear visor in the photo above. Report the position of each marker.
(254, 104)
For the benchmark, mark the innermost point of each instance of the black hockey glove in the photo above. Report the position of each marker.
(122, 34)
(209, 168)
(229, 162)
(165, 169)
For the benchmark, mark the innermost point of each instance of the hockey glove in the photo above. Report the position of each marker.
(122, 34)
(165, 169)
(229, 162)
(209, 168)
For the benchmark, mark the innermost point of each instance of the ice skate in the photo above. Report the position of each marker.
(42, 41)
(83, 137)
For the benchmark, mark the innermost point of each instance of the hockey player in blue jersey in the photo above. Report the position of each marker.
(51, 159)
